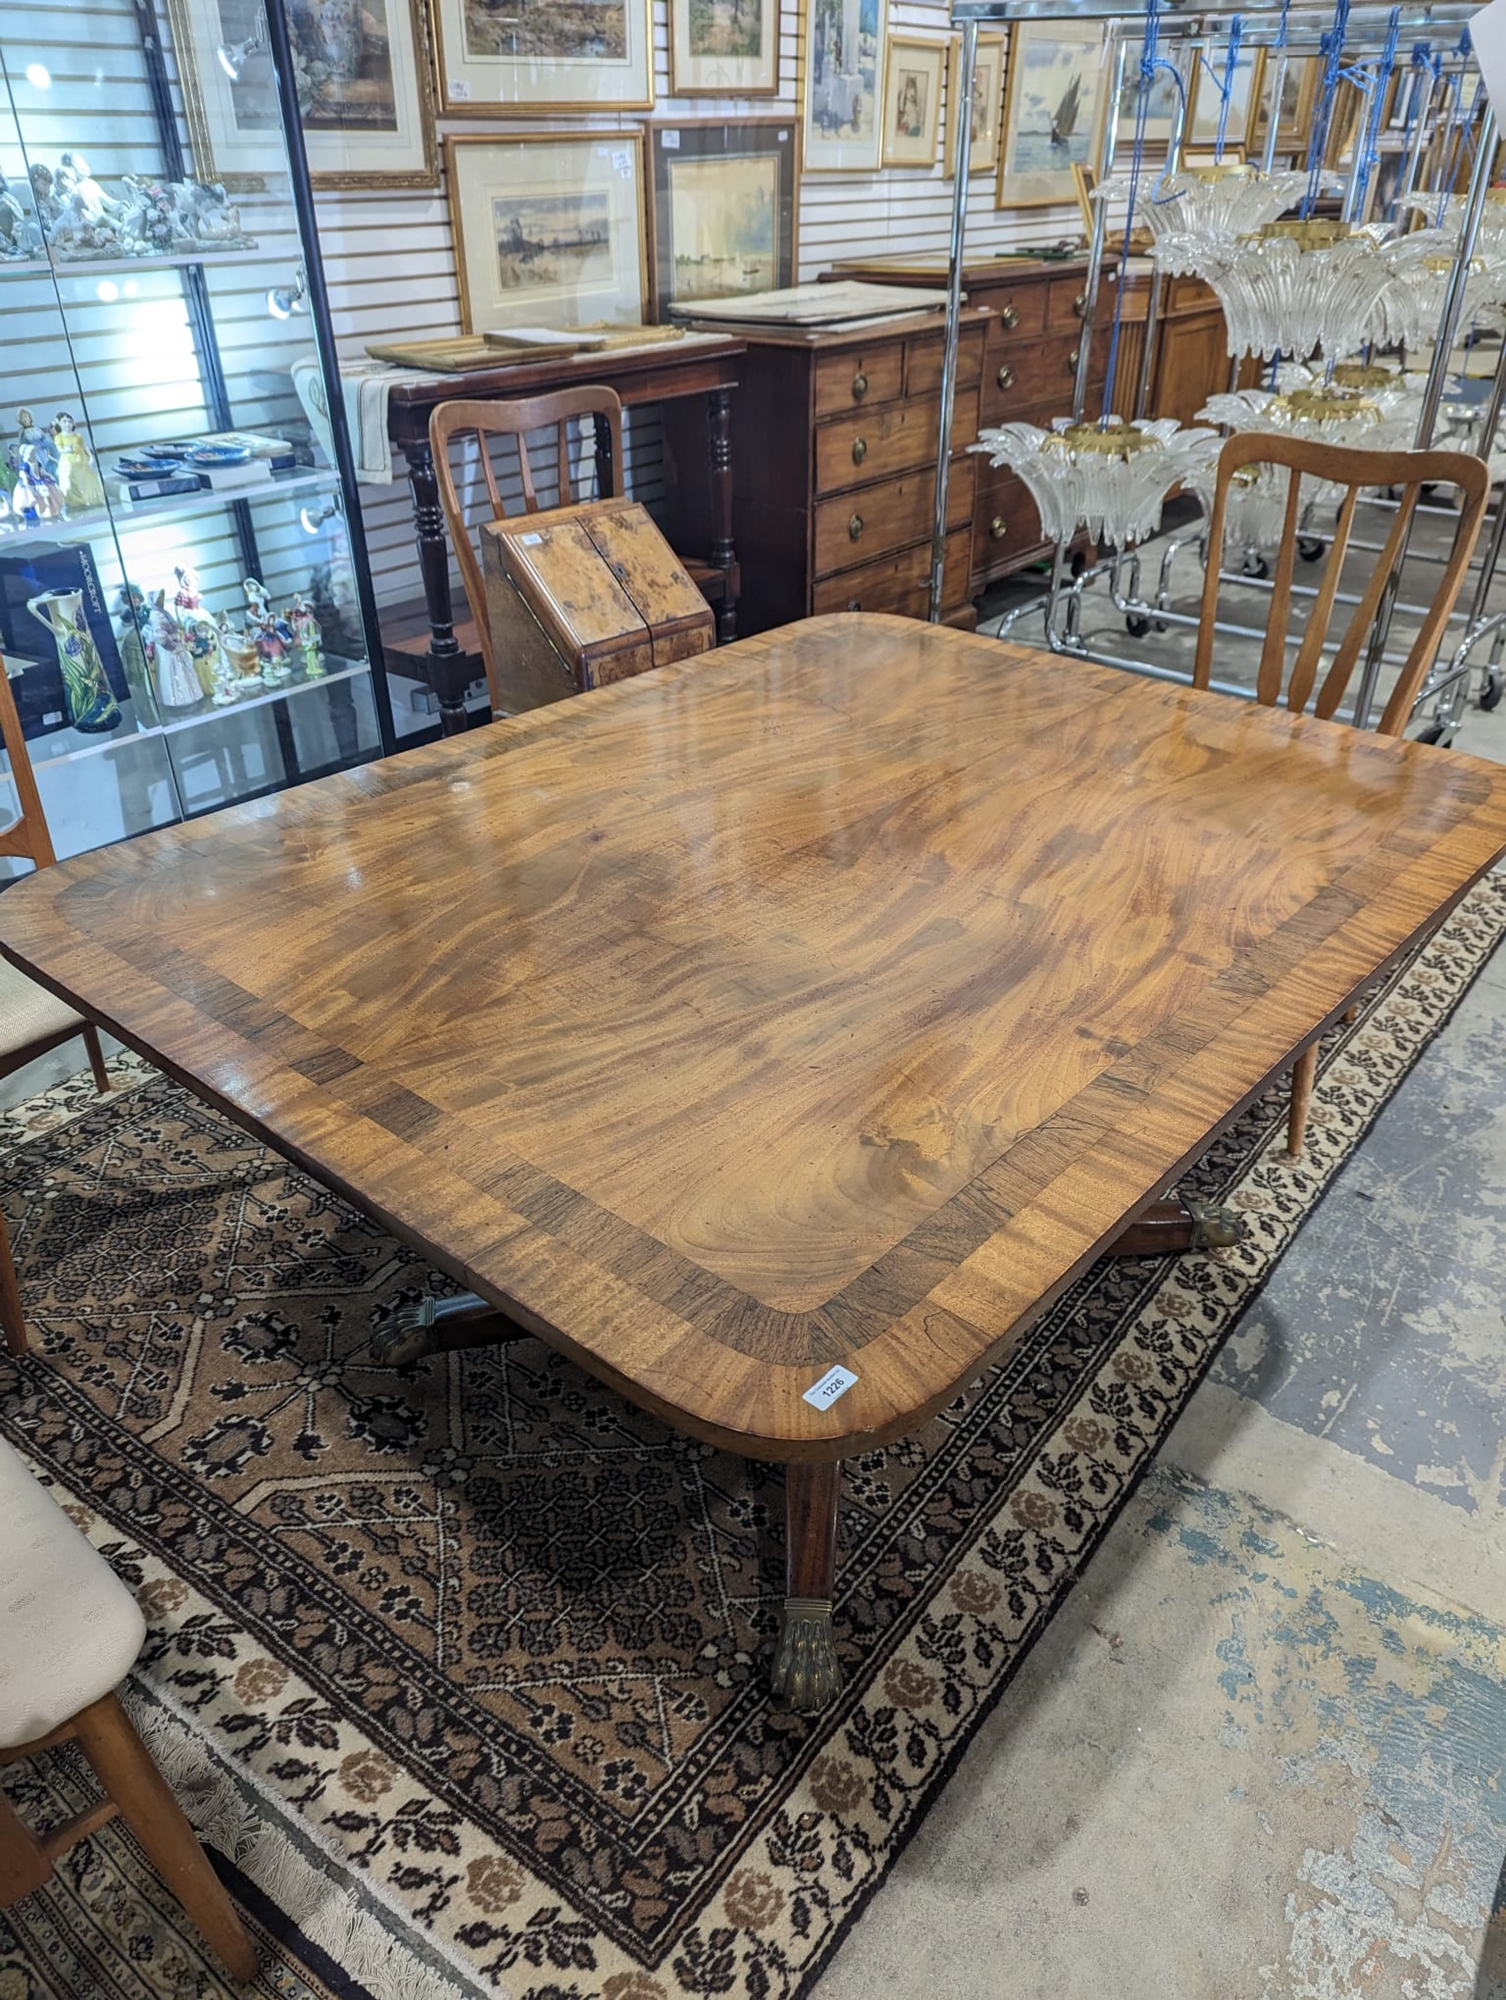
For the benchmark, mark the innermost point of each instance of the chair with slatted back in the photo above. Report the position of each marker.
(1355, 470)
(515, 419)
(32, 1021)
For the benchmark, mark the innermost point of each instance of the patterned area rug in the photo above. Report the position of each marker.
(461, 1671)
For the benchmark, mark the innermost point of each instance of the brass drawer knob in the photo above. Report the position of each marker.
(1074, 357)
(859, 450)
(998, 527)
(855, 528)
(859, 386)
(1005, 377)
(1009, 316)
(1080, 305)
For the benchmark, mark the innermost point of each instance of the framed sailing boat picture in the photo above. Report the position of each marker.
(1054, 101)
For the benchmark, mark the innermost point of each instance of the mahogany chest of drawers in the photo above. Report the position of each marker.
(1035, 327)
(834, 441)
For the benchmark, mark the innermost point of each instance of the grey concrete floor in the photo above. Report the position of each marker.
(1260, 1751)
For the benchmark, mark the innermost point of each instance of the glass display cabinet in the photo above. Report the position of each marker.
(185, 612)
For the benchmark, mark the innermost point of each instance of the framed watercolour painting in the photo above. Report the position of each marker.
(913, 77)
(1207, 97)
(724, 48)
(1162, 110)
(548, 228)
(844, 69)
(1053, 111)
(724, 209)
(988, 96)
(498, 57)
(364, 90)
(1298, 85)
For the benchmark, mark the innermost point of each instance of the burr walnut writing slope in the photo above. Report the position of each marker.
(828, 1000)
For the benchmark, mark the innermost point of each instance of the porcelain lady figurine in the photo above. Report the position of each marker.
(133, 620)
(199, 631)
(31, 432)
(175, 682)
(307, 637)
(92, 707)
(77, 477)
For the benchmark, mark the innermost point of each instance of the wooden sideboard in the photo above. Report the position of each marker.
(1036, 324)
(833, 468)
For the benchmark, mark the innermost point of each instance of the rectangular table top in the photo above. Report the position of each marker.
(831, 998)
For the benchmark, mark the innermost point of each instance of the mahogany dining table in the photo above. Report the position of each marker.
(779, 1033)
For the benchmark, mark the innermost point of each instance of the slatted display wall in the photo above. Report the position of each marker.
(390, 261)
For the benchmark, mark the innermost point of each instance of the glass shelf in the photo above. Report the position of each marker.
(128, 514)
(185, 344)
(110, 267)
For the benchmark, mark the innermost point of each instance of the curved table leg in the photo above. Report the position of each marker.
(439, 1326)
(806, 1671)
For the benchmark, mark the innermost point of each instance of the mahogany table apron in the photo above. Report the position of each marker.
(780, 1033)
(699, 365)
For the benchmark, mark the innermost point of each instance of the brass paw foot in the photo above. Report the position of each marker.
(437, 1326)
(806, 1672)
(1215, 1228)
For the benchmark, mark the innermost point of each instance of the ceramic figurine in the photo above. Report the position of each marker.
(149, 224)
(49, 208)
(73, 178)
(47, 495)
(16, 231)
(243, 662)
(79, 233)
(204, 214)
(175, 681)
(31, 432)
(259, 603)
(133, 620)
(274, 639)
(92, 707)
(307, 637)
(23, 499)
(200, 632)
(77, 477)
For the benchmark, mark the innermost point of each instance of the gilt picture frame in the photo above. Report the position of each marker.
(724, 48)
(1055, 99)
(1294, 115)
(532, 58)
(843, 78)
(914, 77)
(549, 228)
(988, 103)
(1205, 99)
(724, 208)
(365, 86)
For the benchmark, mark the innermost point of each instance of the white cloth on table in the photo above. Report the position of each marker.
(367, 387)
(69, 1629)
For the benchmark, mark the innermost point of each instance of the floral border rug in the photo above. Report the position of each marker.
(461, 1670)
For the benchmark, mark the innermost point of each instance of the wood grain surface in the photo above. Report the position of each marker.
(833, 997)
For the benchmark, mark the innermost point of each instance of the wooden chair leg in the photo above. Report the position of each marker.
(23, 1864)
(12, 1319)
(96, 1058)
(1304, 1073)
(125, 1769)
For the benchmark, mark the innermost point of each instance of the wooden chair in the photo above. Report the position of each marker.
(32, 1021)
(69, 1633)
(485, 421)
(1405, 473)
